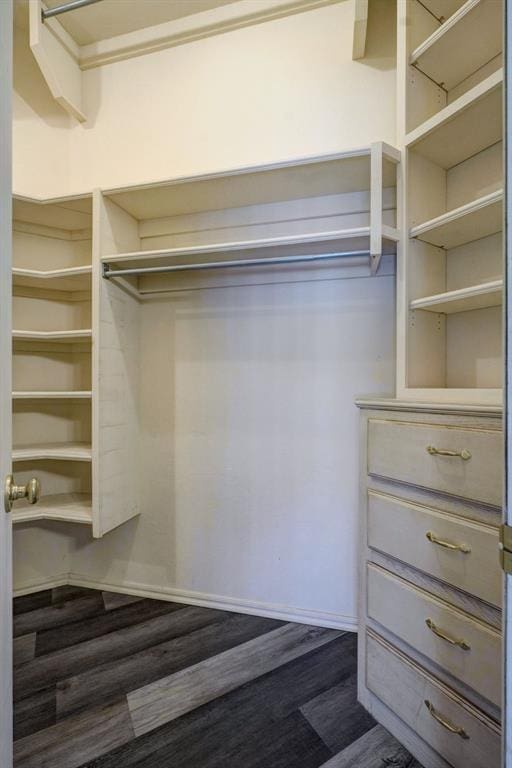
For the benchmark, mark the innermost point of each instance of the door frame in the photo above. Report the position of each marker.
(6, 26)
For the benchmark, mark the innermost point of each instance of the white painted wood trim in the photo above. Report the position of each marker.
(6, 86)
(417, 406)
(35, 585)
(65, 337)
(463, 299)
(63, 451)
(189, 28)
(46, 395)
(219, 602)
(52, 274)
(264, 243)
(57, 56)
(457, 213)
(360, 27)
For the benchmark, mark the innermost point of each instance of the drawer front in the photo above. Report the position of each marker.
(466, 648)
(412, 533)
(459, 733)
(398, 451)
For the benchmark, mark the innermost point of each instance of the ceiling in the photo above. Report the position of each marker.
(108, 18)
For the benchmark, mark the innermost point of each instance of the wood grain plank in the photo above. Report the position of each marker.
(54, 639)
(173, 696)
(76, 740)
(24, 648)
(32, 602)
(58, 615)
(113, 600)
(70, 592)
(49, 669)
(35, 713)
(376, 749)
(212, 735)
(337, 717)
(107, 682)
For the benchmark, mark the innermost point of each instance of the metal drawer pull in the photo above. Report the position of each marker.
(464, 454)
(452, 640)
(447, 544)
(457, 730)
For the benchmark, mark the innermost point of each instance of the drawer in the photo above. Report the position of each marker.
(398, 450)
(399, 528)
(462, 735)
(432, 626)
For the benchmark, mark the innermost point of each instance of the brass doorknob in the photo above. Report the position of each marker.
(31, 491)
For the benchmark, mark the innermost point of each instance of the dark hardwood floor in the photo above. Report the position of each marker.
(103, 680)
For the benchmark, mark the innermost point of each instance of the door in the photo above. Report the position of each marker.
(507, 626)
(5, 381)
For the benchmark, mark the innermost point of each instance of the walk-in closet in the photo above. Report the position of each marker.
(253, 428)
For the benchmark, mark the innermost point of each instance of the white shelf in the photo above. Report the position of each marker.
(472, 221)
(463, 300)
(68, 507)
(52, 395)
(69, 279)
(465, 127)
(62, 337)
(464, 43)
(296, 179)
(58, 451)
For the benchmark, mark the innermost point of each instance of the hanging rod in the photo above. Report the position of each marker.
(47, 13)
(108, 272)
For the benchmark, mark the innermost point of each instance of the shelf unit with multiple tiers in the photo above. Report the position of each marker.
(63, 416)
(451, 266)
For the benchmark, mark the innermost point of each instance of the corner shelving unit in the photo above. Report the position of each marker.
(52, 342)
(451, 264)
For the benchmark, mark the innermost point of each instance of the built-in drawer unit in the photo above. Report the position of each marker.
(461, 734)
(456, 460)
(453, 549)
(465, 647)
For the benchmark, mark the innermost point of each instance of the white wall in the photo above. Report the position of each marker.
(268, 92)
(250, 432)
(248, 446)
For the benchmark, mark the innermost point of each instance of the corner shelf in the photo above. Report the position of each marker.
(58, 451)
(67, 507)
(61, 337)
(469, 222)
(465, 127)
(52, 395)
(464, 43)
(463, 299)
(68, 279)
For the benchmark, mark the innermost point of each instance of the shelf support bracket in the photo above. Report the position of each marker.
(57, 56)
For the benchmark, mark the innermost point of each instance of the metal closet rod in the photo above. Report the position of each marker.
(108, 272)
(72, 6)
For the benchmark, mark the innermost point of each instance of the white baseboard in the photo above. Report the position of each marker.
(205, 600)
(282, 612)
(27, 587)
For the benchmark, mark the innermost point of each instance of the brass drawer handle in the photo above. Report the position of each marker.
(464, 454)
(452, 640)
(447, 544)
(457, 730)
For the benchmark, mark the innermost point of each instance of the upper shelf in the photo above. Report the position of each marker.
(69, 279)
(472, 221)
(465, 127)
(465, 42)
(292, 180)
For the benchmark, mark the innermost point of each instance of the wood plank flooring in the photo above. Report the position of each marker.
(112, 681)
